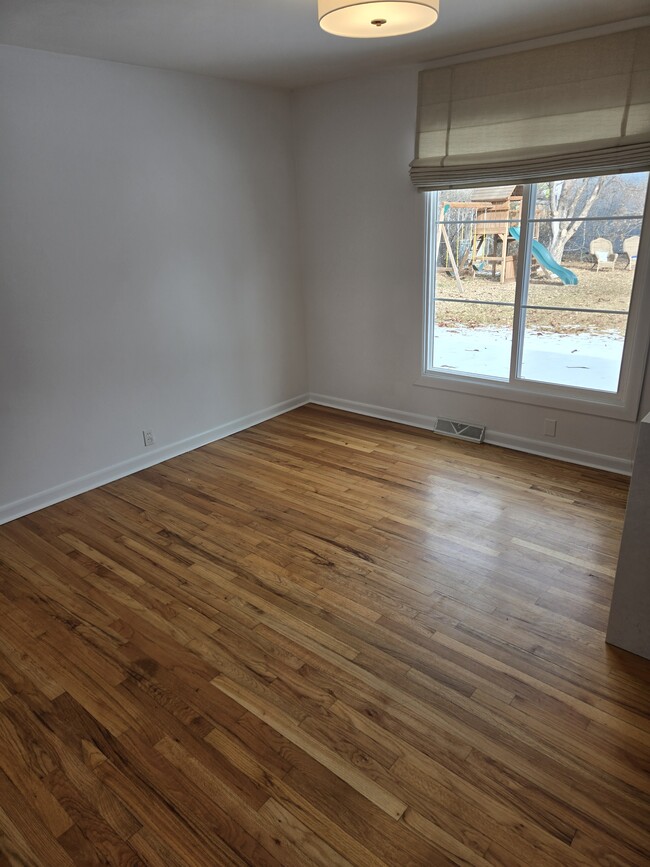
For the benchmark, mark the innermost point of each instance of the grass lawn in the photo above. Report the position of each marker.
(600, 290)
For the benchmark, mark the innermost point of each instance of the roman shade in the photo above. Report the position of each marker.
(562, 111)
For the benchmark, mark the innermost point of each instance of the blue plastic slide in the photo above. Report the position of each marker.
(547, 261)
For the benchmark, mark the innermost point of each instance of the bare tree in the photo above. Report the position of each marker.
(569, 202)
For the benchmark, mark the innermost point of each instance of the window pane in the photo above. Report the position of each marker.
(585, 235)
(473, 338)
(582, 350)
(476, 236)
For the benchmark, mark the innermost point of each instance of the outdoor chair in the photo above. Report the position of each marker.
(631, 250)
(603, 252)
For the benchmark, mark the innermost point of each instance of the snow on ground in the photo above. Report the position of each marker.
(580, 360)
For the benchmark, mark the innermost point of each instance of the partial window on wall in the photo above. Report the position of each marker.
(534, 285)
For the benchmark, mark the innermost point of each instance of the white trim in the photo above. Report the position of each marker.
(27, 505)
(560, 453)
(504, 440)
(526, 392)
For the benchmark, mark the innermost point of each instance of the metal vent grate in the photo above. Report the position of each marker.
(462, 430)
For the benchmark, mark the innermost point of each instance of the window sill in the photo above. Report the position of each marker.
(532, 394)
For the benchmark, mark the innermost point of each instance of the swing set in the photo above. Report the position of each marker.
(483, 238)
(487, 236)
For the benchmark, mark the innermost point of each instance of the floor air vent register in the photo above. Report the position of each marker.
(460, 430)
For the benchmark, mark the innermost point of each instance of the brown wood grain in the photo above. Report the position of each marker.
(326, 640)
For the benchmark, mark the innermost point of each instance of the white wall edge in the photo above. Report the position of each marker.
(508, 441)
(42, 499)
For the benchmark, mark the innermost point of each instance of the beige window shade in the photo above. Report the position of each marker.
(557, 112)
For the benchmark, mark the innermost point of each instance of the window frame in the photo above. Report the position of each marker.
(624, 404)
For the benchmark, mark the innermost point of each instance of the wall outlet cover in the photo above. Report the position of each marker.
(550, 427)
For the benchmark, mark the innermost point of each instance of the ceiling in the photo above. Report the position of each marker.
(279, 42)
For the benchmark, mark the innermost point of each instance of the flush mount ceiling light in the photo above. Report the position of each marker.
(367, 20)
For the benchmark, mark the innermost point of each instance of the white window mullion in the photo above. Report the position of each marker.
(432, 243)
(523, 276)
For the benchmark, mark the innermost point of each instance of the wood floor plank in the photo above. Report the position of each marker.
(28, 782)
(288, 727)
(326, 640)
(25, 831)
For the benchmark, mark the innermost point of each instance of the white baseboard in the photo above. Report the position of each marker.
(40, 500)
(521, 444)
(571, 455)
(381, 412)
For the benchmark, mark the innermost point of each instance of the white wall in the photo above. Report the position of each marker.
(149, 261)
(148, 268)
(362, 229)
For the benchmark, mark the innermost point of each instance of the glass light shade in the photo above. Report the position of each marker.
(368, 20)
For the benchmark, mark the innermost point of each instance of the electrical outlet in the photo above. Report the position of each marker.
(550, 427)
(148, 437)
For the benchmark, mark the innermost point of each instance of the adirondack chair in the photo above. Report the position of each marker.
(631, 250)
(603, 252)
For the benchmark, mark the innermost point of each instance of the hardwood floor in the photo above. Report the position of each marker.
(325, 640)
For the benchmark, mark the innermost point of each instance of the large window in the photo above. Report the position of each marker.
(533, 286)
